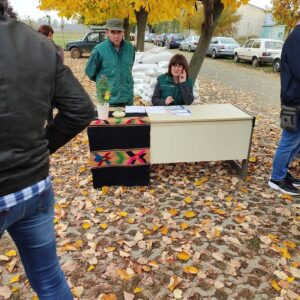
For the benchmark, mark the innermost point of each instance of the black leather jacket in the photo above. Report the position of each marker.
(31, 80)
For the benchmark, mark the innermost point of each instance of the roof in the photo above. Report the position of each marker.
(261, 8)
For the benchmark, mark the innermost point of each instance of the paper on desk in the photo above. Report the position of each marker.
(135, 109)
(155, 109)
(178, 110)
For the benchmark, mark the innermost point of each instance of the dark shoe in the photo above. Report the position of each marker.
(292, 179)
(283, 186)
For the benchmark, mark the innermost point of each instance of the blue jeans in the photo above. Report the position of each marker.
(30, 224)
(288, 147)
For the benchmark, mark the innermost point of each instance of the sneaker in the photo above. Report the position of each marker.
(295, 181)
(284, 186)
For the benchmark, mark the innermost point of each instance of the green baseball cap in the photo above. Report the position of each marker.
(115, 24)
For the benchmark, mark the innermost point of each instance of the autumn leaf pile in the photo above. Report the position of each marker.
(197, 232)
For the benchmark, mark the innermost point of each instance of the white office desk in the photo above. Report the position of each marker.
(212, 132)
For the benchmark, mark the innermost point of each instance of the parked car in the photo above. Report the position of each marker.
(221, 46)
(258, 51)
(276, 62)
(152, 37)
(174, 40)
(161, 39)
(190, 43)
(146, 38)
(95, 36)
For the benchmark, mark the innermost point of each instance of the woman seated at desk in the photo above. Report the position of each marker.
(174, 87)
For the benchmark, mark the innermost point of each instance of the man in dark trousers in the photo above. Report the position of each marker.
(289, 144)
(29, 84)
(114, 59)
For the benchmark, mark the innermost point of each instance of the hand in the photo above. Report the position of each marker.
(182, 76)
(169, 100)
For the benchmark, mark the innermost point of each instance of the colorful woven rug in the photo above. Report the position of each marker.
(120, 150)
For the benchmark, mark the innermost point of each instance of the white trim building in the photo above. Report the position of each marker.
(253, 18)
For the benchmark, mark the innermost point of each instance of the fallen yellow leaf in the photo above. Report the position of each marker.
(275, 285)
(137, 290)
(184, 226)
(174, 281)
(290, 279)
(147, 231)
(82, 169)
(15, 288)
(11, 253)
(146, 268)
(287, 197)
(123, 214)
(78, 243)
(190, 270)
(90, 268)
(103, 225)
(286, 253)
(99, 210)
(124, 275)
(104, 190)
(290, 244)
(188, 200)
(107, 297)
(189, 214)
(164, 231)
(183, 256)
(84, 193)
(130, 220)
(240, 219)
(86, 225)
(220, 211)
(173, 212)
(155, 228)
(228, 198)
(110, 249)
(218, 232)
(252, 159)
(14, 279)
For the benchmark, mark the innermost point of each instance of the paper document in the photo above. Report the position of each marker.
(135, 109)
(178, 110)
(155, 110)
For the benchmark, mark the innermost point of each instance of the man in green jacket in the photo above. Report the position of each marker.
(114, 59)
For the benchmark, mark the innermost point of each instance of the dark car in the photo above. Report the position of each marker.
(95, 36)
(161, 39)
(174, 40)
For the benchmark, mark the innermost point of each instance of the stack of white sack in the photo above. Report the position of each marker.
(147, 67)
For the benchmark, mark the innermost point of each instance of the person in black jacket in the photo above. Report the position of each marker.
(29, 85)
(289, 145)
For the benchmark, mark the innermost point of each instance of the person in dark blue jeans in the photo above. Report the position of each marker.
(289, 145)
(29, 85)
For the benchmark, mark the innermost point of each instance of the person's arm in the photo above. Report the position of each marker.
(75, 109)
(93, 65)
(156, 100)
(293, 53)
(186, 89)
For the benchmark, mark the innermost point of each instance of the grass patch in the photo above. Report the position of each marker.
(61, 38)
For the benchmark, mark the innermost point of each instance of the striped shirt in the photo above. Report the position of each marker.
(13, 199)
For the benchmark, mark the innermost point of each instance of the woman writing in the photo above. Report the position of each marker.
(174, 87)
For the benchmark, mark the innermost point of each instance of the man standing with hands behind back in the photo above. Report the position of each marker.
(114, 59)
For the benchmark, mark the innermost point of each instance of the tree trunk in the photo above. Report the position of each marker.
(127, 29)
(141, 17)
(212, 12)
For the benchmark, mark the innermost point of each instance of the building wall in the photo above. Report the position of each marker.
(253, 18)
